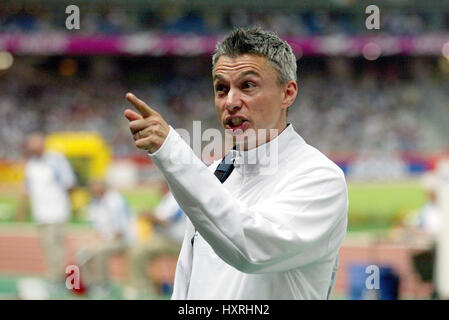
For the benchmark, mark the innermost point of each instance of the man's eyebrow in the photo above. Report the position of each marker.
(243, 74)
(218, 77)
(249, 72)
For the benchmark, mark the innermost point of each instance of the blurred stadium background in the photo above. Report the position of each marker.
(374, 101)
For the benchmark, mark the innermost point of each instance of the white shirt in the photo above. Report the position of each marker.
(430, 219)
(261, 236)
(169, 211)
(111, 215)
(47, 180)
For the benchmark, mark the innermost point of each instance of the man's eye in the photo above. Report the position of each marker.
(220, 88)
(248, 85)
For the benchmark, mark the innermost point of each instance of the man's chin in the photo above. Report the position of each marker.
(237, 133)
(243, 140)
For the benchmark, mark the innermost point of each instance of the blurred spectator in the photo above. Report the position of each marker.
(169, 220)
(112, 223)
(428, 219)
(48, 180)
(422, 228)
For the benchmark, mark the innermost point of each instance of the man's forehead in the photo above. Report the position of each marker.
(241, 63)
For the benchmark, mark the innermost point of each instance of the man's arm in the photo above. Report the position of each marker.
(302, 224)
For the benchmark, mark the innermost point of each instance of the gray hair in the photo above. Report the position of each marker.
(260, 42)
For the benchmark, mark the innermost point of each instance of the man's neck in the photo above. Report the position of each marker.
(261, 139)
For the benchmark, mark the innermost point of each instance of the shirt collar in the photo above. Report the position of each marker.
(266, 157)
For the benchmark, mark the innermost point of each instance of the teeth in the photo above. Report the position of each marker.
(236, 121)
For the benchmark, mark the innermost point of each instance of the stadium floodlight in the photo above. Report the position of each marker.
(6, 60)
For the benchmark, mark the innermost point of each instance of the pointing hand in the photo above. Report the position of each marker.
(148, 128)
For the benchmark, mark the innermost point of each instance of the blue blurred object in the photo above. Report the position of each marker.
(190, 22)
(166, 288)
(22, 21)
(388, 283)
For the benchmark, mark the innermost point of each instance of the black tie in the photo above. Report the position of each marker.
(222, 172)
(225, 167)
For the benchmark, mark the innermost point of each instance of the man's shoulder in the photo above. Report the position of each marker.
(321, 160)
(311, 160)
(312, 173)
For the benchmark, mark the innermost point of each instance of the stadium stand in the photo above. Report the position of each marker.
(390, 107)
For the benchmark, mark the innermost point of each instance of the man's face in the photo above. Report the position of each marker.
(247, 89)
(97, 189)
(35, 145)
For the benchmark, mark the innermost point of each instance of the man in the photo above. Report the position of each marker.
(48, 180)
(259, 236)
(111, 220)
(423, 227)
(169, 220)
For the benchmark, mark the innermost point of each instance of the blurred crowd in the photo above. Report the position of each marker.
(337, 109)
(212, 20)
(342, 106)
(36, 98)
(378, 110)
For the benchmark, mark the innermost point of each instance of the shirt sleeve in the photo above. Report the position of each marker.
(302, 223)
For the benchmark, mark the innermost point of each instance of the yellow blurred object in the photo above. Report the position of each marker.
(89, 156)
(87, 152)
(11, 172)
(145, 229)
(80, 198)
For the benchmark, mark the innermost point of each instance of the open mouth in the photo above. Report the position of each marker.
(236, 123)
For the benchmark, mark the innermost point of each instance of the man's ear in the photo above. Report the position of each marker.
(289, 94)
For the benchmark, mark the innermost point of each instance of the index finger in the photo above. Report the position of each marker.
(141, 106)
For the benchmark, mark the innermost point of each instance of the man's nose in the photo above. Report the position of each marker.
(233, 101)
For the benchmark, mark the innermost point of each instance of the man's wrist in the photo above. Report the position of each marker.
(164, 144)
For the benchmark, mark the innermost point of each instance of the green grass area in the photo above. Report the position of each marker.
(142, 200)
(8, 287)
(379, 205)
(8, 205)
(372, 206)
